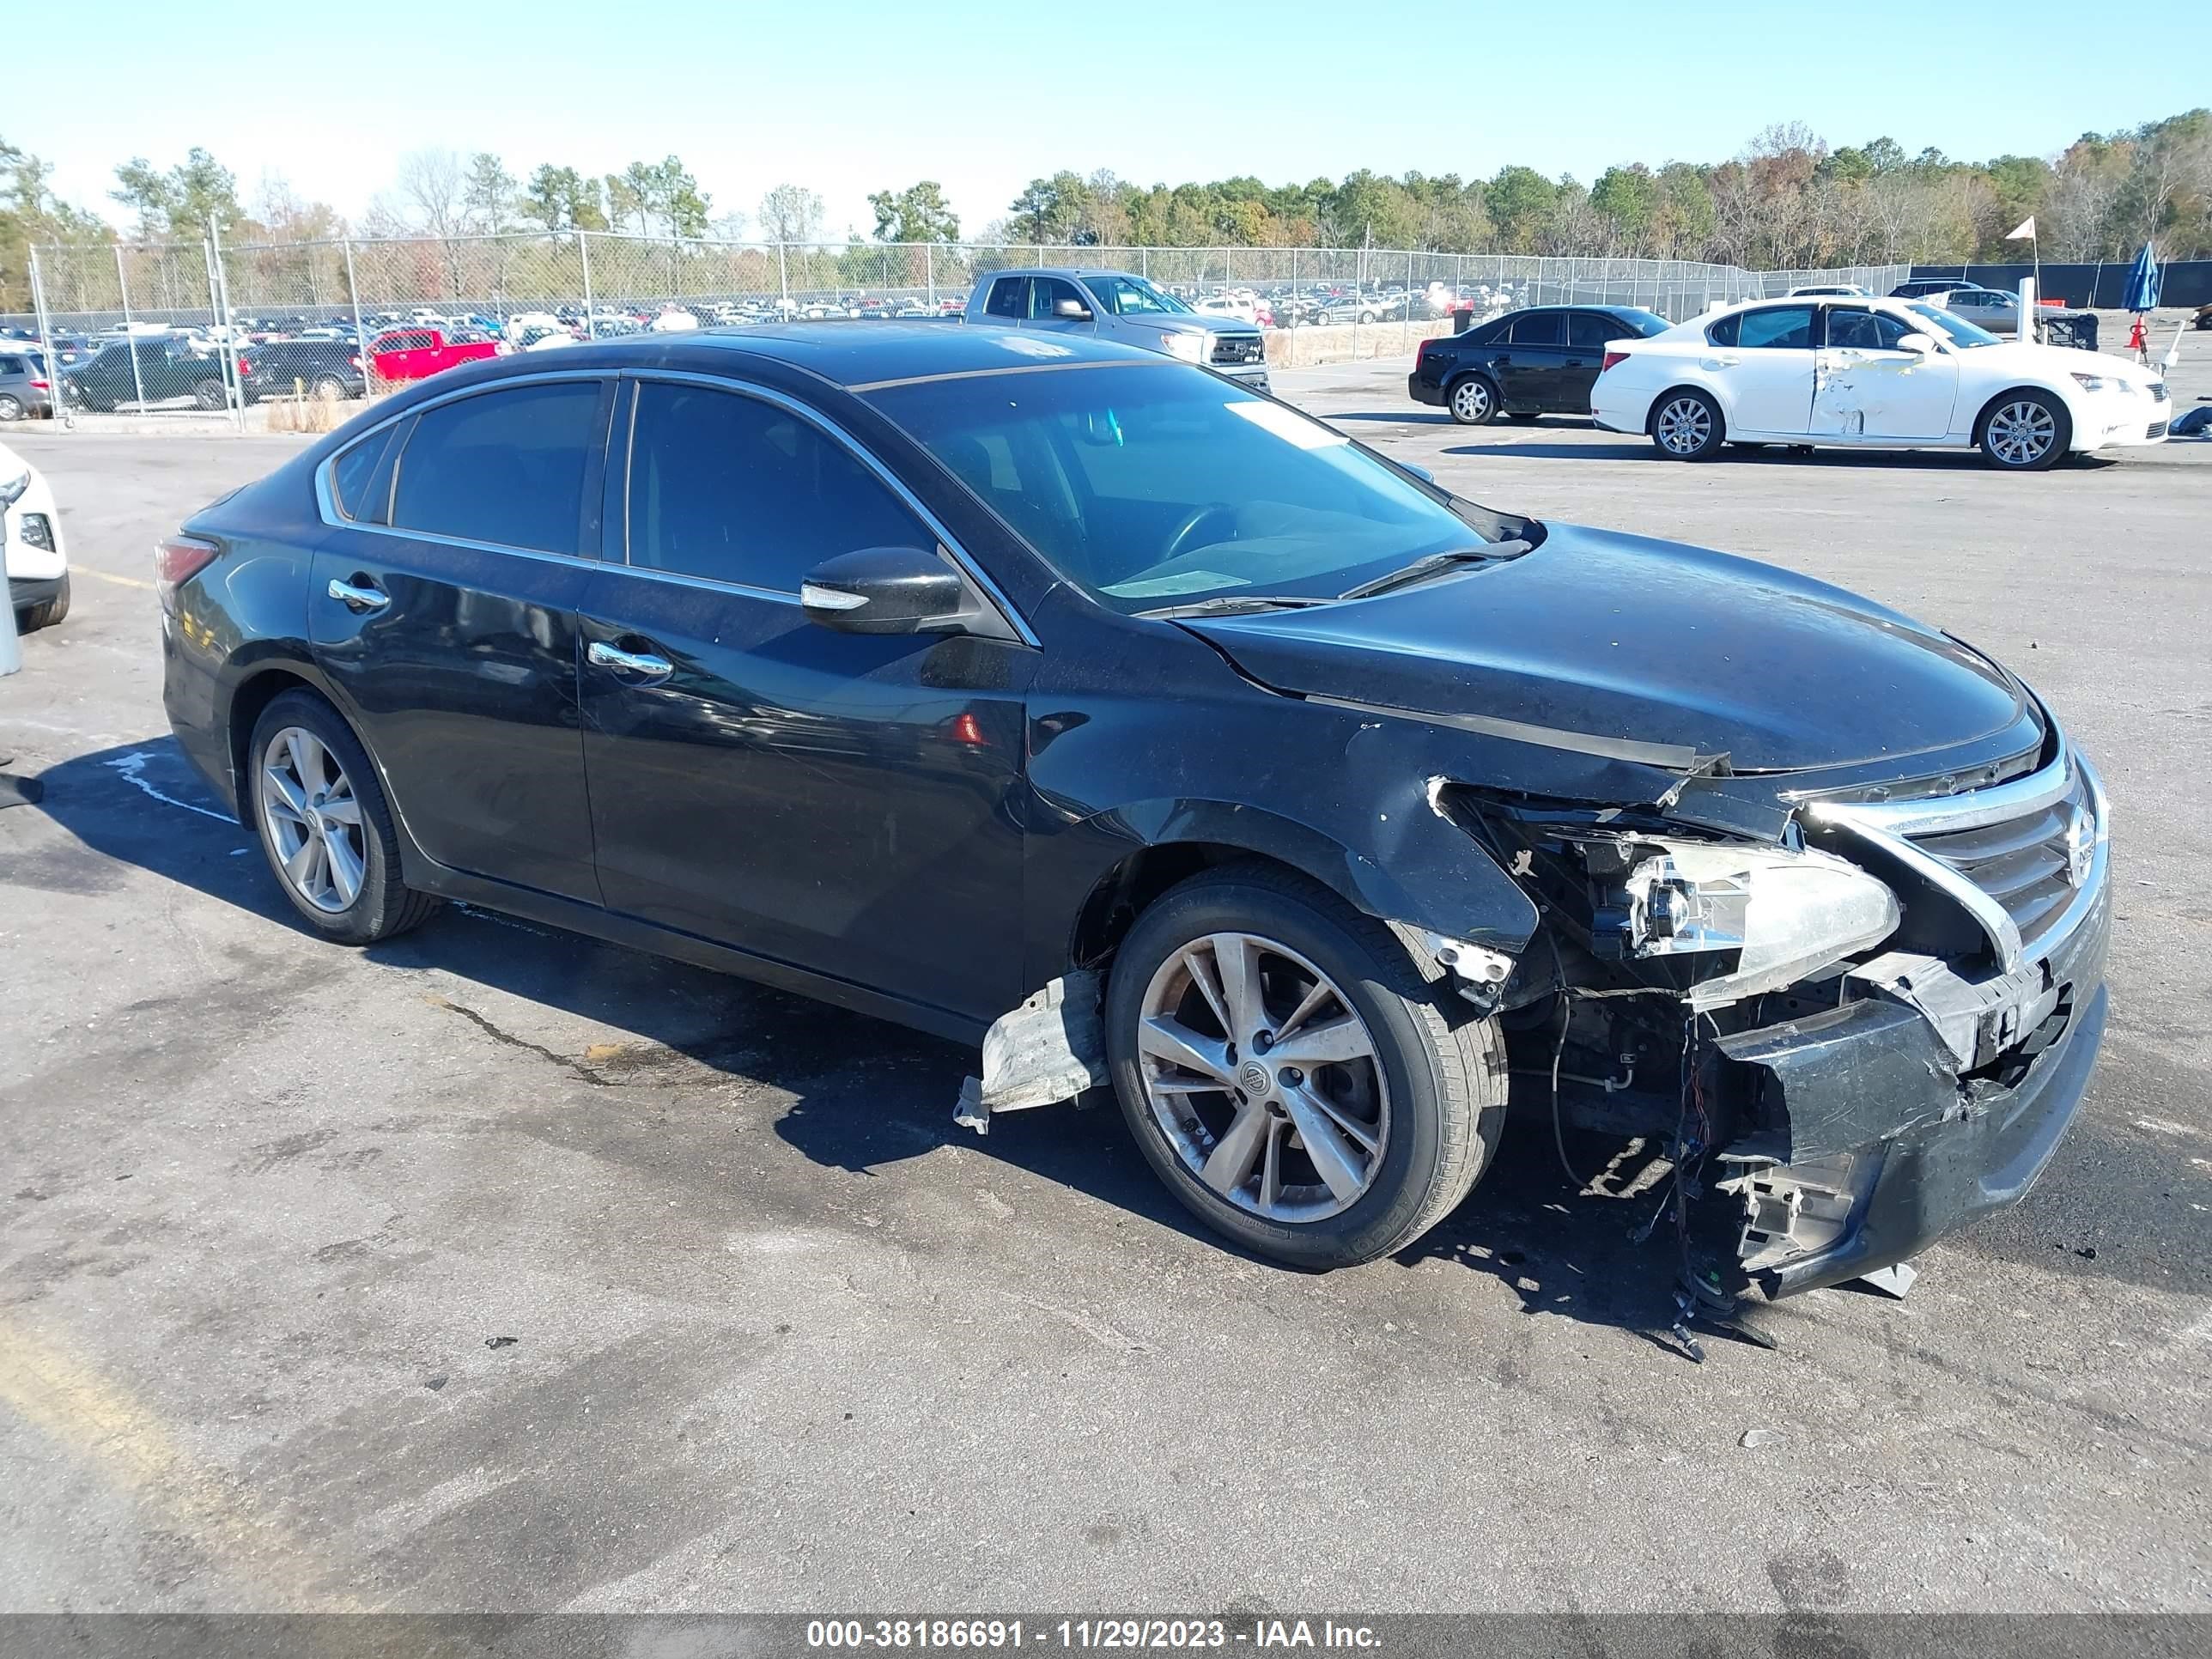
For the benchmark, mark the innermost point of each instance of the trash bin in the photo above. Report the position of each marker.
(1462, 319)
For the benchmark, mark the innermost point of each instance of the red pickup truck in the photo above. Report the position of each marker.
(411, 353)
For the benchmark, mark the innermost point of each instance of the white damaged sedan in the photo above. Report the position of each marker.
(1875, 374)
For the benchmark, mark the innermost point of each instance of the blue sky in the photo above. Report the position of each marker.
(847, 96)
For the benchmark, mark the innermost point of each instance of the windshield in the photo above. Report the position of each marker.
(1154, 485)
(1133, 296)
(1957, 330)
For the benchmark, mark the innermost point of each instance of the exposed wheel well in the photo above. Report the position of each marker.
(245, 707)
(1989, 408)
(1124, 891)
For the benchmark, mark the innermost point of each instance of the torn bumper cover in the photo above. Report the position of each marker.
(1889, 1139)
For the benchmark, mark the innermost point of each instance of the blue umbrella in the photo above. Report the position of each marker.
(2143, 282)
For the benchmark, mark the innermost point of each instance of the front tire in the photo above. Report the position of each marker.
(209, 395)
(328, 386)
(2025, 432)
(1289, 1074)
(11, 409)
(46, 613)
(1687, 425)
(1473, 401)
(325, 826)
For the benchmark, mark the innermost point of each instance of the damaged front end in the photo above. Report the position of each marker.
(1846, 1040)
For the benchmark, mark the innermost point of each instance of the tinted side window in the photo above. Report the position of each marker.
(506, 466)
(1722, 334)
(1005, 297)
(1778, 328)
(11, 365)
(1487, 334)
(361, 480)
(1590, 331)
(1864, 330)
(738, 489)
(1538, 328)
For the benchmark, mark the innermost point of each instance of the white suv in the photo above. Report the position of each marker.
(31, 545)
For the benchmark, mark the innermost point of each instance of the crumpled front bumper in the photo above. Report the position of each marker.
(1887, 1142)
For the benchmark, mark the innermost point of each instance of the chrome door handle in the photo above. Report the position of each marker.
(359, 599)
(602, 655)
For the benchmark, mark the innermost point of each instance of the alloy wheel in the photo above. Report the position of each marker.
(1262, 1078)
(313, 819)
(2021, 434)
(1685, 426)
(1471, 401)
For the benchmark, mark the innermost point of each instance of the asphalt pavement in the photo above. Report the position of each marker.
(494, 1269)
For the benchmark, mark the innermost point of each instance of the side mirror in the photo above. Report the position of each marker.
(1421, 472)
(885, 590)
(1921, 345)
(1073, 310)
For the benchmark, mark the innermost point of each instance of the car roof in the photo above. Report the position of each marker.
(1058, 270)
(838, 353)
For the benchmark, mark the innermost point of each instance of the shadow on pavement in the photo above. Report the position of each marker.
(864, 1093)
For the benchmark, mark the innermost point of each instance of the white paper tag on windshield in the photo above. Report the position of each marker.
(1186, 581)
(1287, 424)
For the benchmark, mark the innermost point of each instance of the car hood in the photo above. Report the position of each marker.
(2055, 363)
(1199, 319)
(1626, 639)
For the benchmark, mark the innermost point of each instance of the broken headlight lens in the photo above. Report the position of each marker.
(1783, 913)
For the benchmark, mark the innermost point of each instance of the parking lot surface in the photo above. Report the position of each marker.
(495, 1269)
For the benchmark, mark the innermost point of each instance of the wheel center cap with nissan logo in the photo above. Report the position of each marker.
(1253, 1078)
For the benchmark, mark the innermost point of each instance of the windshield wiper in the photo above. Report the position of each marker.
(1224, 604)
(1432, 564)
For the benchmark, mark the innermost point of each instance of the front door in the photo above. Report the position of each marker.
(843, 803)
(443, 612)
(1046, 295)
(1867, 387)
(1767, 370)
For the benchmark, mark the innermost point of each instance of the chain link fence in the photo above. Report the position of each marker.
(251, 334)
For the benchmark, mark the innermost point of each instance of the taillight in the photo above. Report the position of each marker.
(176, 560)
(244, 367)
(40, 386)
(1611, 358)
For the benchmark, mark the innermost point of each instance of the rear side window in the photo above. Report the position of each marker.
(361, 480)
(1006, 298)
(11, 366)
(1778, 328)
(1590, 331)
(1485, 334)
(737, 489)
(1538, 328)
(505, 467)
(1723, 331)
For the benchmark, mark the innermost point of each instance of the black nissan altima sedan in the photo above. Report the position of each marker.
(1054, 695)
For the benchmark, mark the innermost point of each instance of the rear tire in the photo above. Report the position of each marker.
(1400, 1127)
(1473, 401)
(330, 386)
(209, 394)
(318, 809)
(46, 613)
(11, 409)
(1685, 425)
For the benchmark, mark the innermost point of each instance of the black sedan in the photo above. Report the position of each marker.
(1541, 361)
(1086, 705)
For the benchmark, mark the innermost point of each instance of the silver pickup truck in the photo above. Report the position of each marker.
(1115, 305)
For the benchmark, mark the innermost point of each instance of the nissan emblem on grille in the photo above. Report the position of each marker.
(2081, 845)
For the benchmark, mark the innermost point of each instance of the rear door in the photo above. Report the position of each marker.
(842, 803)
(1766, 370)
(1587, 334)
(1529, 368)
(442, 607)
(1867, 388)
(1007, 302)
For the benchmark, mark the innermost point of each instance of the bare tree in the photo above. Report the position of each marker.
(434, 192)
(791, 213)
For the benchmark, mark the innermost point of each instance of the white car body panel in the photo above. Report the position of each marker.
(25, 562)
(1866, 399)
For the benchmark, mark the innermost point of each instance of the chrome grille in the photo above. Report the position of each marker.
(1239, 349)
(2024, 863)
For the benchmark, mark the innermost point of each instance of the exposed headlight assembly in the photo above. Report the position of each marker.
(1187, 344)
(2090, 382)
(1783, 914)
